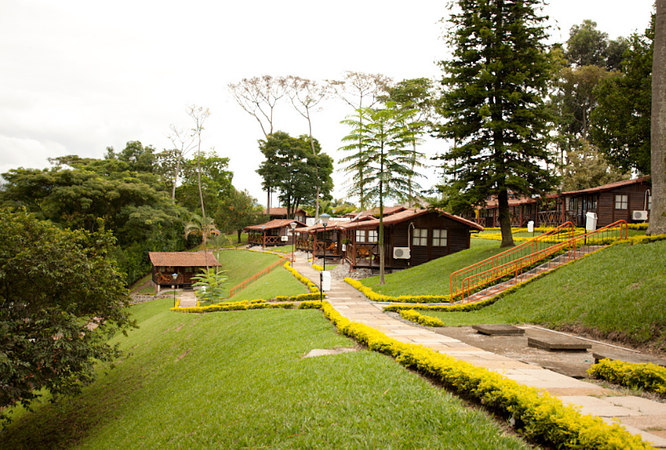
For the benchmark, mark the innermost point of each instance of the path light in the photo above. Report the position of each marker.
(175, 278)
(293, 241)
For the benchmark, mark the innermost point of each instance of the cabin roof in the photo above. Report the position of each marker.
(607, 187)
(283, 211)
(275, 223)
(406, 215)
(183, 259)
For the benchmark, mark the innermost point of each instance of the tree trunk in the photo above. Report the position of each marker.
(505, 219)
(381, 218)
(175, 180)
(658, 130)
(239, 231)
(268, 202)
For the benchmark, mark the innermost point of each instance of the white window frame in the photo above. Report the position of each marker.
(360, 235)
(373, 236)
(621, 201)
(420, 237)
(440, 237)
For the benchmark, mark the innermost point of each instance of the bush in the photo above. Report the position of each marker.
(414, 316)
(372, 295)
(650, 377)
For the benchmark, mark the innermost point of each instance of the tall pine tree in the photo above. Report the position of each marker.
(494, 86)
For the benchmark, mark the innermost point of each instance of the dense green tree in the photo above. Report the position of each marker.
(237, 211)
(494, 86)
(294, 171)
(77, 192)
(216, 182)
(586, 168)
(621, 120)
(586, 45)
(386, 139)
(137, 157)
(658, 142)
(61, 298)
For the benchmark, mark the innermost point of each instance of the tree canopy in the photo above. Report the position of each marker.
(493, 103)
(61, 297)
(294, 171)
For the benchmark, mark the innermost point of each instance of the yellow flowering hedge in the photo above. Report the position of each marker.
(314, 289)
(234, 306)
(375, 297)
(318, 267)
(536, 413)
(415, 316)
(650, 377)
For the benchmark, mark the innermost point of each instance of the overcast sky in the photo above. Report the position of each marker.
(77, 76)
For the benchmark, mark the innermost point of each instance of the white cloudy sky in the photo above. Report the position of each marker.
(77, 76)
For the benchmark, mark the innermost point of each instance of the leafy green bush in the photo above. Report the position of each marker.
(415, 316)
(372, 295)
(650, 377)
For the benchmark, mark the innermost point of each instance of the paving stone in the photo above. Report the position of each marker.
(499, 330)
(559, 343)
(641, 405)
(591, 390)
(655, 440)
(602, 407)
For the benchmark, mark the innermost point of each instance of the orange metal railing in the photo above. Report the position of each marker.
(514, 261)
(256, 276)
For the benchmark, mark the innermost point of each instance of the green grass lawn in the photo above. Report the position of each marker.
(432, 278)
(279, 282)
(242, 264)
(619, 291)
(238, 380)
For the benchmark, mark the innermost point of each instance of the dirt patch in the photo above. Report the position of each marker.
(184, 354)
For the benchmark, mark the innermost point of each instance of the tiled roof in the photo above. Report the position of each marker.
(182, 259)
(283, 211)
(409, 214)
(608, 187)
(275, 223)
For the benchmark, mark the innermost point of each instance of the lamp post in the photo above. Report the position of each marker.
(175, 278)
(293, 241)
(324, 220)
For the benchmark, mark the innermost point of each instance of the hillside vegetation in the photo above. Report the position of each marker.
(238, 380)
(619, 292)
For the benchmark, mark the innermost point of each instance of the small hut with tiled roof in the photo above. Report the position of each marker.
(275, 232)
(184, 264)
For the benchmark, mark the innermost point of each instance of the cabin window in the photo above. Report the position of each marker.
(649, 203)
(360, 235)
(621, 201)
(372, 236)
(420, 237)
(439, 238)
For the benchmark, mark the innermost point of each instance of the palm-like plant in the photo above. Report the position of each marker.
(203, 226)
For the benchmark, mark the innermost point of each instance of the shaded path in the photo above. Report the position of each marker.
(636, 414)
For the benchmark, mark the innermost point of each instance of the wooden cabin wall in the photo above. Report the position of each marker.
(606, 211)
(457, 239)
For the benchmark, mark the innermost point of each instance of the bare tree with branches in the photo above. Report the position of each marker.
(182, 143)
(258, 97)
(306, 96)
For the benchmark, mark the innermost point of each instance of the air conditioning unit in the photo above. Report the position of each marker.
(639, 215)
(284, 238)
(401, 253)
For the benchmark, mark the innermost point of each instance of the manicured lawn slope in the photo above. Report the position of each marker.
(432, 278)
(238, 380)
(618, 291)
(279, 282)
(242, 264)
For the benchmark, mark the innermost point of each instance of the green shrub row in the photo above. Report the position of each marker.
(650, 377)
(540, 416)
(415, 316)
(375, 297)
(318, 267)
(299, 297)
(246, 305)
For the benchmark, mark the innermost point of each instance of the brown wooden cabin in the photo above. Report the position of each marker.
(185, 264)
(329, 243)
(281, 213)
(611, 202)
(411, 237)
(273, 233)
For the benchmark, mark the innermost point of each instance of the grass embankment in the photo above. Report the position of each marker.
(238, 380)
(279, 282)
(432, 278)
(240, 265)
(619, 292)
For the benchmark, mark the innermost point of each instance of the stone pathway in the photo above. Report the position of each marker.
(638, 415)
(187, 298)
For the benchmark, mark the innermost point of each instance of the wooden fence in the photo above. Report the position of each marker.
(256, 276)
